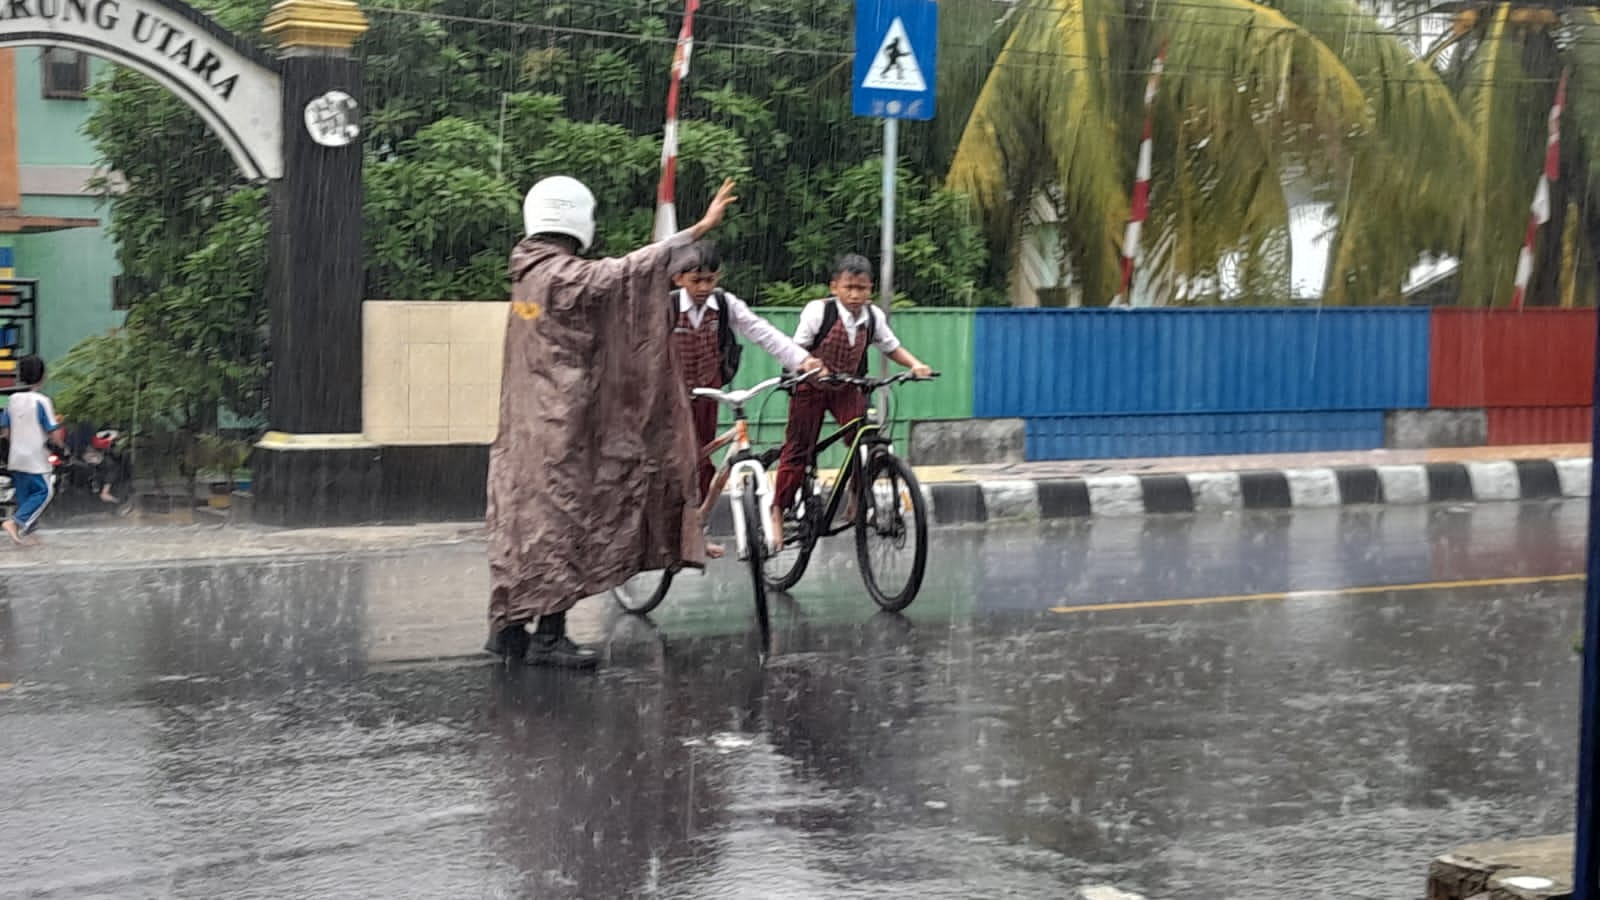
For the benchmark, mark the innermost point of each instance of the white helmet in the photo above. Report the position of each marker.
(560, 205)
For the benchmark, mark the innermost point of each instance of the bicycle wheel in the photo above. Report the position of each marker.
(643, 592)
(892, 533)
(784, 568)
(755, 532)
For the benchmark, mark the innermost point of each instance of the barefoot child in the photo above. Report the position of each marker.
(708, 322)
(838, 331)
(30, 420)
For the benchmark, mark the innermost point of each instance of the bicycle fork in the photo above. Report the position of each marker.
(741, 528)
(753, 467)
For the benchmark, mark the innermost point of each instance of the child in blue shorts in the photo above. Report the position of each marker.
(30, 421)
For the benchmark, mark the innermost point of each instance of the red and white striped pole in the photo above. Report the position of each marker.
(1541, 196)
(1140, 207)
(666, 211)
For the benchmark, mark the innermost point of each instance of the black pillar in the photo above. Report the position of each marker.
(317, 470)
(317, 275)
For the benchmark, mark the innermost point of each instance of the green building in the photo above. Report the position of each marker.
(52, 224)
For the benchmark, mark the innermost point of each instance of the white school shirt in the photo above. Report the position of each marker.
(31, 417)
(805, 333)
(747, 325)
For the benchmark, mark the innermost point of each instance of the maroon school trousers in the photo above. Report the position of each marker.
(806, 409)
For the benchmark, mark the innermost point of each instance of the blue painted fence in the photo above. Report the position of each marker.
(1201, 434)
(1032, 363)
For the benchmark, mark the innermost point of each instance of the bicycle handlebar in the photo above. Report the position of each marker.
(789, 381)
(872, 384)
(739, 398)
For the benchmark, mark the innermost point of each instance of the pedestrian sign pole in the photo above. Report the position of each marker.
(897, 46)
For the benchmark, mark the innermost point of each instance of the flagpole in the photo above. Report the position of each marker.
(666, 191)
(1540, 210)
(1139, 208)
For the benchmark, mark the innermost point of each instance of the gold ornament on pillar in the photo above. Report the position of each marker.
(320, 24)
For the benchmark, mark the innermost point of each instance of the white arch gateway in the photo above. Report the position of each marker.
(234, 87)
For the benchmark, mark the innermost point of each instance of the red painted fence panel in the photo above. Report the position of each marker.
(1501, 358)
(1540, 425)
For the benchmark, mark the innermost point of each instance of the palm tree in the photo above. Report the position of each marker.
(1263, 105)
(1504, 60)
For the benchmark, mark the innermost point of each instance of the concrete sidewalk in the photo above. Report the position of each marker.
(957, 494)
(101, 546)
(1137, 487)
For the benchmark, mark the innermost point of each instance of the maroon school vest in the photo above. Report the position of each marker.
(697, 350)
(835, 350)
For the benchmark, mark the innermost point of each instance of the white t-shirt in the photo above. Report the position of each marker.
(31, 417)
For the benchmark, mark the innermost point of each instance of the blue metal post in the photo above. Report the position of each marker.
(1586, 864)
(891, 165)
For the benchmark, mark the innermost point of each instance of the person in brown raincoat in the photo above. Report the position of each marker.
(592, 473)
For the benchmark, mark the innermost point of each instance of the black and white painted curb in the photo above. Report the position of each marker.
(1142, 495)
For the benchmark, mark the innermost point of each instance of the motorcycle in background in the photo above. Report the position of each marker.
(95, 478)
(97, 473)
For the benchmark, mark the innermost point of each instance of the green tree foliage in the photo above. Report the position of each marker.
(932, 259)
(1257, 96)
(1504, 60)
(466, 105)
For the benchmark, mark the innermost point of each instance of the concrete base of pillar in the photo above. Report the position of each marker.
(1533, 869)
(316, 480)
(309, 480)
(951, 442)
(1422, 429)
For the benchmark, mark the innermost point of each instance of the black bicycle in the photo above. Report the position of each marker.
(884, 504)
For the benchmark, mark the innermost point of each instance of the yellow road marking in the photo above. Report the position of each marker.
(1291, 595)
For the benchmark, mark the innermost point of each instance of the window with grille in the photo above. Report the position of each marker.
(66, 74)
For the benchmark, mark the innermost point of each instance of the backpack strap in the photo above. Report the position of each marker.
(830, 317)
(724, 322)
(729, 353)
(870, 337)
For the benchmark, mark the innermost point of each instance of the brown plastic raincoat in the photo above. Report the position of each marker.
(592, 474)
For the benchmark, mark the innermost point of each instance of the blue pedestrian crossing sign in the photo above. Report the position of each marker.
(897, 55)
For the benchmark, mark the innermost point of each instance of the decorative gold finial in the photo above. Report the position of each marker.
(324, 24)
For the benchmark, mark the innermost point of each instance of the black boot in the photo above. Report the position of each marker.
(510, 642)
(551, 646)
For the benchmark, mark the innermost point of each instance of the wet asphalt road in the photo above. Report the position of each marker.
(233, 729)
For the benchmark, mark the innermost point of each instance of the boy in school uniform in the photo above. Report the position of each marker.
(837, 331)
(30, 421)
(708, 322)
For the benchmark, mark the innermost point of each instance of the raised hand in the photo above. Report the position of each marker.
(718, 208)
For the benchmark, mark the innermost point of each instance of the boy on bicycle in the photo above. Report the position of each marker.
(707, 324)
(837, 331)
